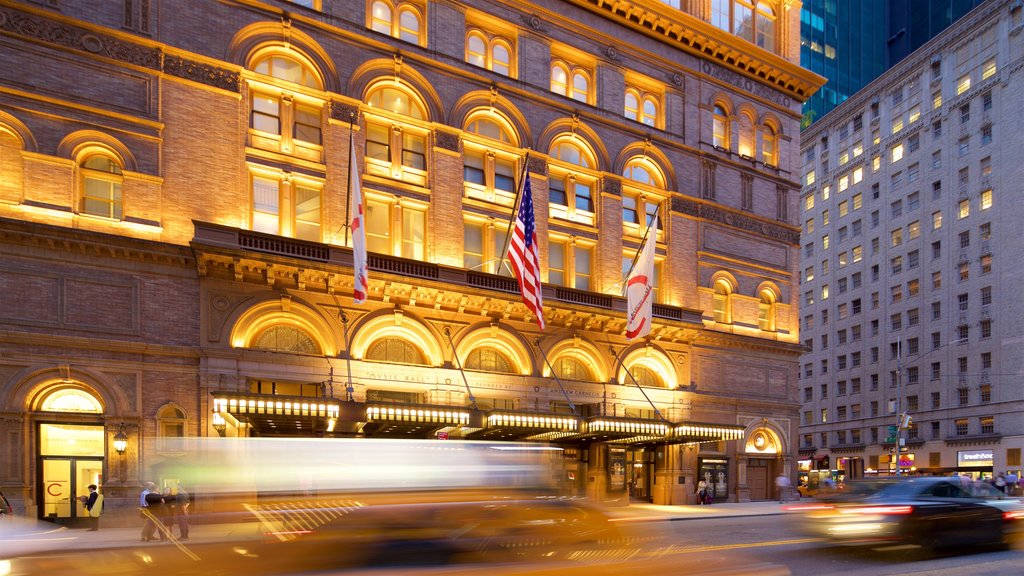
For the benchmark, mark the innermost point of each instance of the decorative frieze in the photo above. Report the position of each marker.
(202, 73)
(721, 215)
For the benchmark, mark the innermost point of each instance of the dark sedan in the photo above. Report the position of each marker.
(923, 511)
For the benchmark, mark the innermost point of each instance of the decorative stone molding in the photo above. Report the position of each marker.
(537, 165)
(721, 215)
(611, 185)
(344, 112)
(446, 140)
(202, 73)
(42, 29)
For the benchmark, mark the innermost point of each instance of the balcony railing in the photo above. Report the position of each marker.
(272, 244)
(582, 297)
(492, 281)
(402, 266)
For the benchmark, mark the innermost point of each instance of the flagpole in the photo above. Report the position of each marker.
(557, 379)
(523, 175)
(618, 363)
(640, 249)
(348, 185)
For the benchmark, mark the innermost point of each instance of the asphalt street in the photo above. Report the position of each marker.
(773, 539)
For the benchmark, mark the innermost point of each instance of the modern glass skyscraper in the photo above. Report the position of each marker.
(851, 42)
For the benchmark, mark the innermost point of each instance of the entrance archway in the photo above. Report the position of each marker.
(70, 449)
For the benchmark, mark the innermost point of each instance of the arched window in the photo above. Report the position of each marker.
(766, 311)
(769, 146)
(489, 51)
(637, 202)
(70, 399)
(641, 106)
(284, 119)
(721, 301)
(720, 127)
(101, 186)
(488, 171)
(765, 26)
(396, 148)
(403, 20)
(572, 368)
(570, 81)
(285, 338)
(288, 69)
(396, 350)
(488, 359)
(646, 377)
(171, 423)
(571, 193)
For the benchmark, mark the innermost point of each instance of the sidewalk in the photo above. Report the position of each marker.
(654, 512)
(42, 536)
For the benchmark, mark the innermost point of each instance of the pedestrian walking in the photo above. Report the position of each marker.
(702, 493)
(150, 501)
(183, 504)
(94, 506)
(782, 485)
(1000, 483)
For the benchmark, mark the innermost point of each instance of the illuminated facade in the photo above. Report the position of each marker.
(909, 264)
(173, 248)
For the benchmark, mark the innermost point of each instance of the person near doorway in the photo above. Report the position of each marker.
(702, 493)
(782, 485)
(94, 507)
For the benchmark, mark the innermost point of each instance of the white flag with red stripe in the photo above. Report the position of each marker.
(361, 285)
(522, 253)
(640, 288)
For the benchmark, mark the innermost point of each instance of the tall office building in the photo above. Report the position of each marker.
(851, 42)
(174, 258)
(910, 266)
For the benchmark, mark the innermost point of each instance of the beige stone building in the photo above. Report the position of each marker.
(173, 260)
(910, 261)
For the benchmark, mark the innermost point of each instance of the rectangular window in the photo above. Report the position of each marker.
(266, 197)
(581, 267)
(986, 200)
(988, 69)
(963, 84)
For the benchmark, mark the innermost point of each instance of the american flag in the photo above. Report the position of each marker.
(522, 252)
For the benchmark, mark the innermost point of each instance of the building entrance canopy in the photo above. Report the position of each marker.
(269, 415)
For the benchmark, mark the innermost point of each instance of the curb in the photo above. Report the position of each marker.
(638, 519)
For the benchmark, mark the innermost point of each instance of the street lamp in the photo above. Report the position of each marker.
(120, 440)
(219, 424)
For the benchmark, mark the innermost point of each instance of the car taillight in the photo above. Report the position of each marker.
(1013, 515)
(807, 507)
(879, 510)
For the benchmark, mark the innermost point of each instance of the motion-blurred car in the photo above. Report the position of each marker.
(928, 512)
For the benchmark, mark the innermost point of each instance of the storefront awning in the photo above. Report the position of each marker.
(277, 415)
(416, 421)
(501, 425)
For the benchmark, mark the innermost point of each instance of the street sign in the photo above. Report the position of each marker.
(891, 434)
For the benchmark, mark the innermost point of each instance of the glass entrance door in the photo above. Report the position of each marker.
(70, 459)
(65, 481)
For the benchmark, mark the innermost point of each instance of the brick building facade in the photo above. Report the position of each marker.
(173, 242)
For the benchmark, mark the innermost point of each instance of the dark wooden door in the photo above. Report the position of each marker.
(757, 479)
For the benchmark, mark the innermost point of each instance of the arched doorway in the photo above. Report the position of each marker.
(762, 449)
(70, 451)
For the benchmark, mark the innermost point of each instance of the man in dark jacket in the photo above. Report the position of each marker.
(155, 505)
(94, 507)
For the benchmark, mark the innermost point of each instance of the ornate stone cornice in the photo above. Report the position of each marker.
(203, 73)
(88, 243)
(40, 28)
(743, 64)
(746, 222)
(55, 31)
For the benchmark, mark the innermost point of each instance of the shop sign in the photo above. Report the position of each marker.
(974, 458)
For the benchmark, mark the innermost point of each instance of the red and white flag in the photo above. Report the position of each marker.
(522, 253)
(358, 226)
(640, 288)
